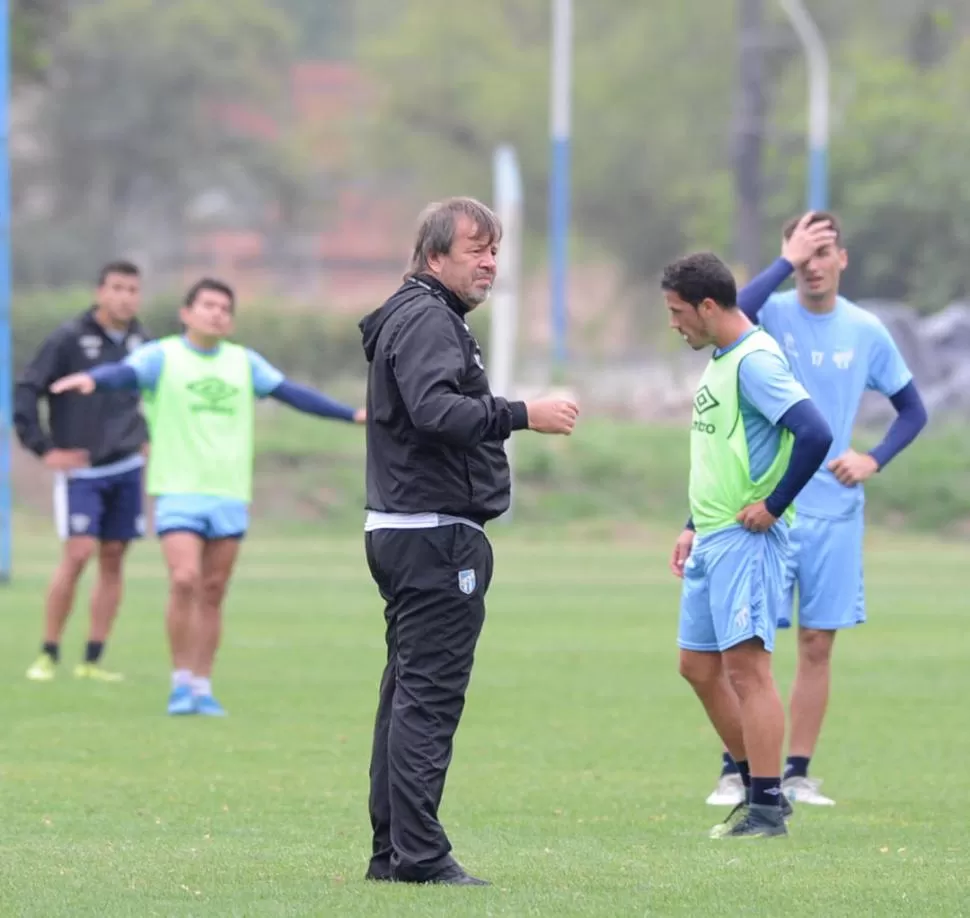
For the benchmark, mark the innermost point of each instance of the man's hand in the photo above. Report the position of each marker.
(360, 416)
(756, 518)
(682, 549)
(552, 415)
(806, 240)
(852, 468)
(63, 460)
(76, 382)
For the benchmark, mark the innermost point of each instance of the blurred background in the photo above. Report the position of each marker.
(288, 146)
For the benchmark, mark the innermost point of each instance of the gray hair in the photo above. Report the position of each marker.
(436, 229)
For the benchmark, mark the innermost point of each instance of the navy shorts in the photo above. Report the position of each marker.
(109, 509)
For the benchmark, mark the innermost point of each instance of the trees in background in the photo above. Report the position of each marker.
(653, 105)
(142, 130)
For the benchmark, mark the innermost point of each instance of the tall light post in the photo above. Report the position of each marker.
(559, 129)
(817, 60)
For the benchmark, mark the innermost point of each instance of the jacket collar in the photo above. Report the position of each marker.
(431, 283)
(91, 323)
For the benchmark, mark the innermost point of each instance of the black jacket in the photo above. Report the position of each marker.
(109, 425)
(435, 432)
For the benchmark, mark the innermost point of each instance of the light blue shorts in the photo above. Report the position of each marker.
(826, 568)
(734, 588)
(209, 517)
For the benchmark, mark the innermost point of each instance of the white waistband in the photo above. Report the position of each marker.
(377, 519)
(128, 464)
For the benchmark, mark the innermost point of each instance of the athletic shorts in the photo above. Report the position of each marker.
(209, 517)
(109, 508)
(826, 568)
(733, 589)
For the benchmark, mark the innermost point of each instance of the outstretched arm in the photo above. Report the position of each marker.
(270, 382)
(139, 370)
(114, 376)
(310, 401)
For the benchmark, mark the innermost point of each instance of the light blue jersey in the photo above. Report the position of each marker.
(148, 361)
(836, 356)
(768, 390)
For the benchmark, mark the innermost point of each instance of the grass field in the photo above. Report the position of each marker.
(580, 769)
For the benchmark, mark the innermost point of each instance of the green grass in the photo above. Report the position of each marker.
(580, 770)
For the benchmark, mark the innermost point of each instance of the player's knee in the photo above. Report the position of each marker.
(815, 647)
(213, 591)
(111, 558)
(748, 674)
(186, 582)
(77, 553)
(701, 670)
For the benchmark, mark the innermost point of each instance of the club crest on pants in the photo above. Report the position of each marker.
(466, 582)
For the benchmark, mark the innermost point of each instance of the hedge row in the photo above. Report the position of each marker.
(309, 344)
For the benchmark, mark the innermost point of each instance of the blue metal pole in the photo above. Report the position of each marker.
(818, 178)
(817, 61)
(6, 358)
(562, 28)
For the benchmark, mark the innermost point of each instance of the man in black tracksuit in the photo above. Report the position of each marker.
(436, 474)
(95, 448)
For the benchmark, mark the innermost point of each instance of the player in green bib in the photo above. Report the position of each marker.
(756, 439)
(199, 391)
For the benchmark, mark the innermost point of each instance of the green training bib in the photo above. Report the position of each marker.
(720, 468)
(201, 418)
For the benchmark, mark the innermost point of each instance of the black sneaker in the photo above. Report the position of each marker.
(756, 822)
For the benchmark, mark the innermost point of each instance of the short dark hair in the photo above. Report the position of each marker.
(213, 286)
(701, 276)
(818, 216)
(121, 266)
(436, 229)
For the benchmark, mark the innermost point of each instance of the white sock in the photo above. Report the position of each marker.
(181, 677)
(201, 686)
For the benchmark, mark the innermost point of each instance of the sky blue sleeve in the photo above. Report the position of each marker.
(266, 377)
(767, 384)
(147, 362)
(888, 372)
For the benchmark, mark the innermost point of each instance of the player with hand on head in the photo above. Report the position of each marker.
(837, 351)
(199, 390)
(756, 440)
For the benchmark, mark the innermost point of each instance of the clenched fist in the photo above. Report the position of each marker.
(552, 415)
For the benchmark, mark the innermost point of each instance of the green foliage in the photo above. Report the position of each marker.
(31, 25)
(135, 130)
(653, 109)
(899, 177)
(316, 345)
(484, 80)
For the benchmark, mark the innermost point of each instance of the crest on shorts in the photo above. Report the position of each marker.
(466, 582)
(80, 522)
